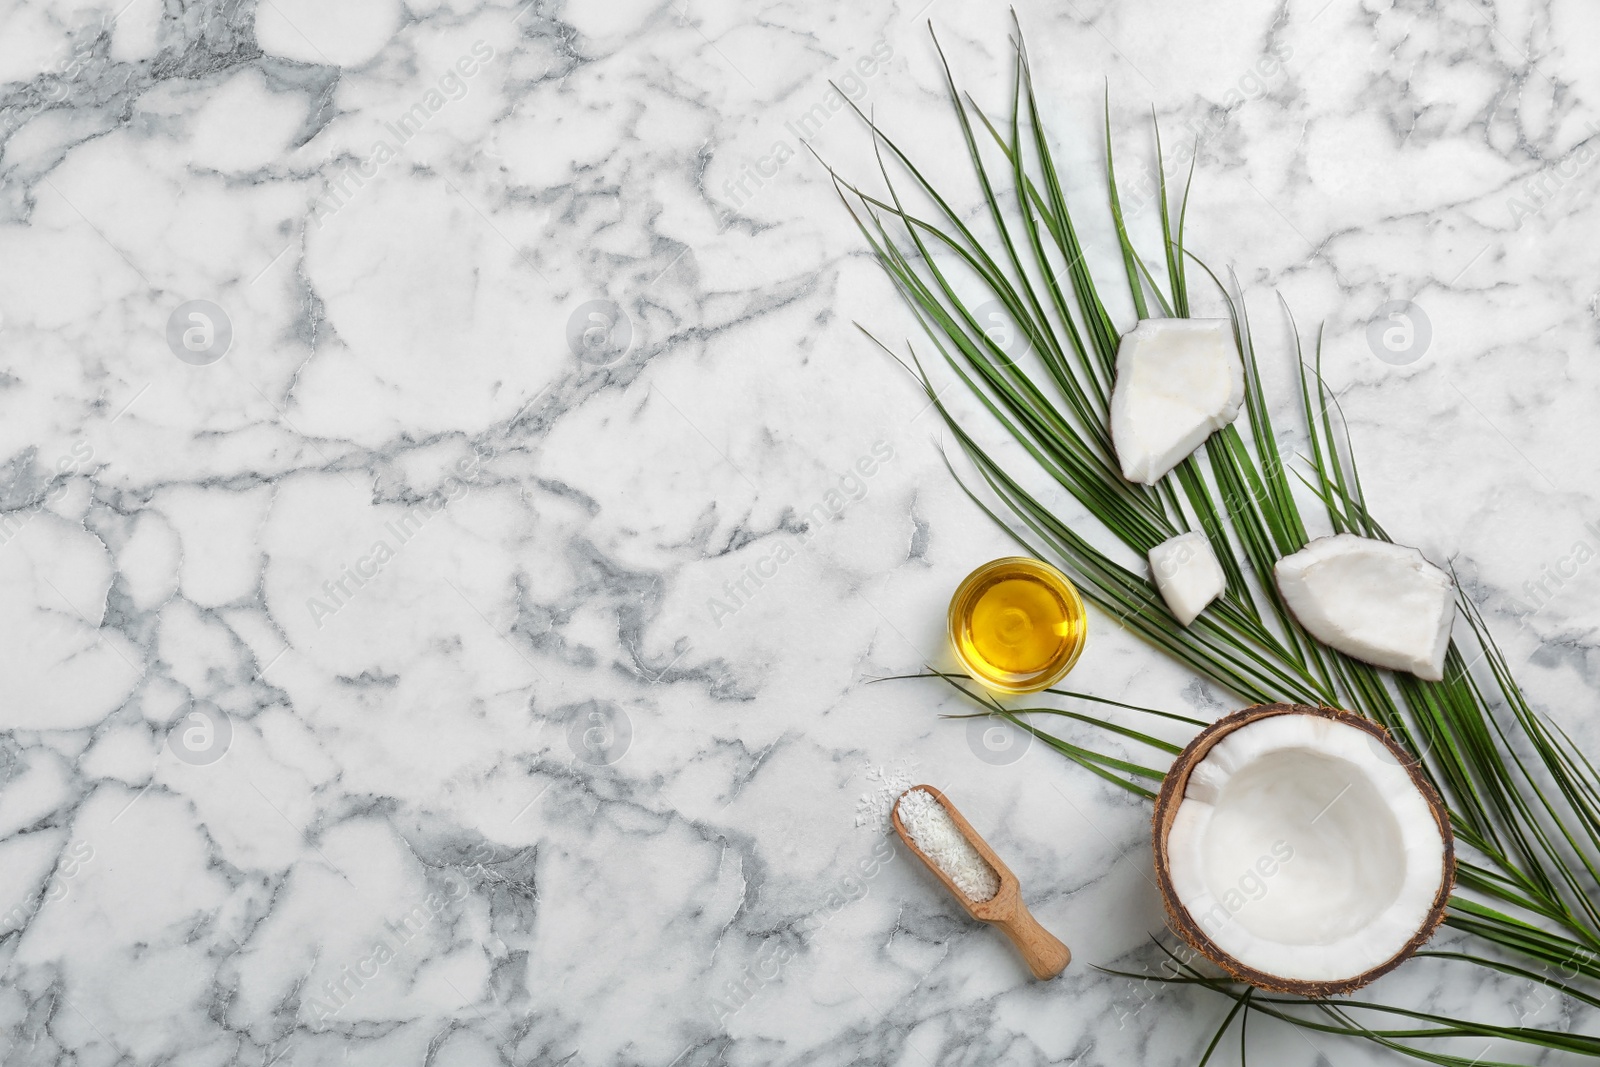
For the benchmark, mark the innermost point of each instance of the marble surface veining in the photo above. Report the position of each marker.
(451, 521)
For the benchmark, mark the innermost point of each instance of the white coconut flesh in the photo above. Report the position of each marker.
(1178, 381)
(1383, 604)
(1303, 849)
(1188, 575)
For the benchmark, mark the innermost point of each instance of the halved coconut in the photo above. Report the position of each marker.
(1301, 850)
(1178, 380)
(1381, 603)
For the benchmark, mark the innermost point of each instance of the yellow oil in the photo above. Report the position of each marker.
(1017, 625)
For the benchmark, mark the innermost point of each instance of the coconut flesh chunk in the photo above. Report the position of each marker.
(1306, 854)
(1186, 571)
(1383, 604)
(1178, 381)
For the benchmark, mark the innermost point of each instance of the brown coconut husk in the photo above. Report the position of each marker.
(1184, 924)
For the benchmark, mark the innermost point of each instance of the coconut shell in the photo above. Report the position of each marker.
(1172, 793)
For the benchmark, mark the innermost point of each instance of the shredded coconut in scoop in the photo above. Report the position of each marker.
(937, 835)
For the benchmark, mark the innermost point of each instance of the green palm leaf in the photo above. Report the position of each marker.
(1524, 801)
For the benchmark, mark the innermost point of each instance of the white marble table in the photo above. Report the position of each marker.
(452, 646)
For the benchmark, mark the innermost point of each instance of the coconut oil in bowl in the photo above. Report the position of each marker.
(1017, 625)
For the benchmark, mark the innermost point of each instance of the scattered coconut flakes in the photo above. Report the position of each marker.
(1178, 381)
(937, 835)
(1381, 603)
(874, 806)
(1187, 573)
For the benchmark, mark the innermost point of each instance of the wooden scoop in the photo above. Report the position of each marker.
(1043, 952)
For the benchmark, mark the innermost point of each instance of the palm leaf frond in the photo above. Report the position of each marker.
(1524, 801)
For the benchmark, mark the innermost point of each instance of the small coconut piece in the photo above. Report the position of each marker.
(1301, 849)
(1187, 573)
(1178, 381)
(1380, 603)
